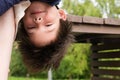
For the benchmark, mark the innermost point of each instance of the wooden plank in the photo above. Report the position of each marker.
(96, 29)
(92, 20)
(105, 37)
(115, 39)
(97, 38)
(105, 47)
(105, 63)
(106, 72)
(111, 21)
(106, 55)
(100, 78)
(74, 18)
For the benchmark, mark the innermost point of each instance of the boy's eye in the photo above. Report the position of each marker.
(31, 27)
(48, 25)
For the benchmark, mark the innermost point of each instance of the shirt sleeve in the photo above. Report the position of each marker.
(6, 4)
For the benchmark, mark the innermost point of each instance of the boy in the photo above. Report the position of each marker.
(44, 35)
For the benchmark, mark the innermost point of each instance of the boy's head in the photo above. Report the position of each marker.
(44, 35)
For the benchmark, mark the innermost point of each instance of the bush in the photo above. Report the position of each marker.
(75, 64)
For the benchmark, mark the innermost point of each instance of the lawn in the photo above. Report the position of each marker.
(23, 78)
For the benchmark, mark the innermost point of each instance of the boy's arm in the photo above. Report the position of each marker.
(7, 32)
(7, 36)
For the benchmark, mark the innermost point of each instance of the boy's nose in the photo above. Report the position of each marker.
(37, 20)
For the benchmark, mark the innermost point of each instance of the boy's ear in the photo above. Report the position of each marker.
(62, 14)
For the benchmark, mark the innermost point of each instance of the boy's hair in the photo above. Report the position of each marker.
(49, 56)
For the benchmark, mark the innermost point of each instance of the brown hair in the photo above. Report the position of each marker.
(49, 56)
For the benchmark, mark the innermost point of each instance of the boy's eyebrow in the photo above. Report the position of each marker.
(56, 6)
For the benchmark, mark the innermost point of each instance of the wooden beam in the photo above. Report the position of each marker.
(111, 21)
(100, 78)
(74, 18)
(96, 29)
(92, 20)
(106, 72)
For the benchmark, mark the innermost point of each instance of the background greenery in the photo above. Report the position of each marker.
(76, 64)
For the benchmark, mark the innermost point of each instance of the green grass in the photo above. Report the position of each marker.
(23, 78)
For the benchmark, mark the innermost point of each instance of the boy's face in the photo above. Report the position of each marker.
(42, 23)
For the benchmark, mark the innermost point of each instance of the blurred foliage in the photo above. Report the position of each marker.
(86, 8)
(100, 8)
(110, 7)
(75, 64)
(16, 67)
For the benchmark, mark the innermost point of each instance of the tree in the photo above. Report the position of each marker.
(85, 8)
(109, 7)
